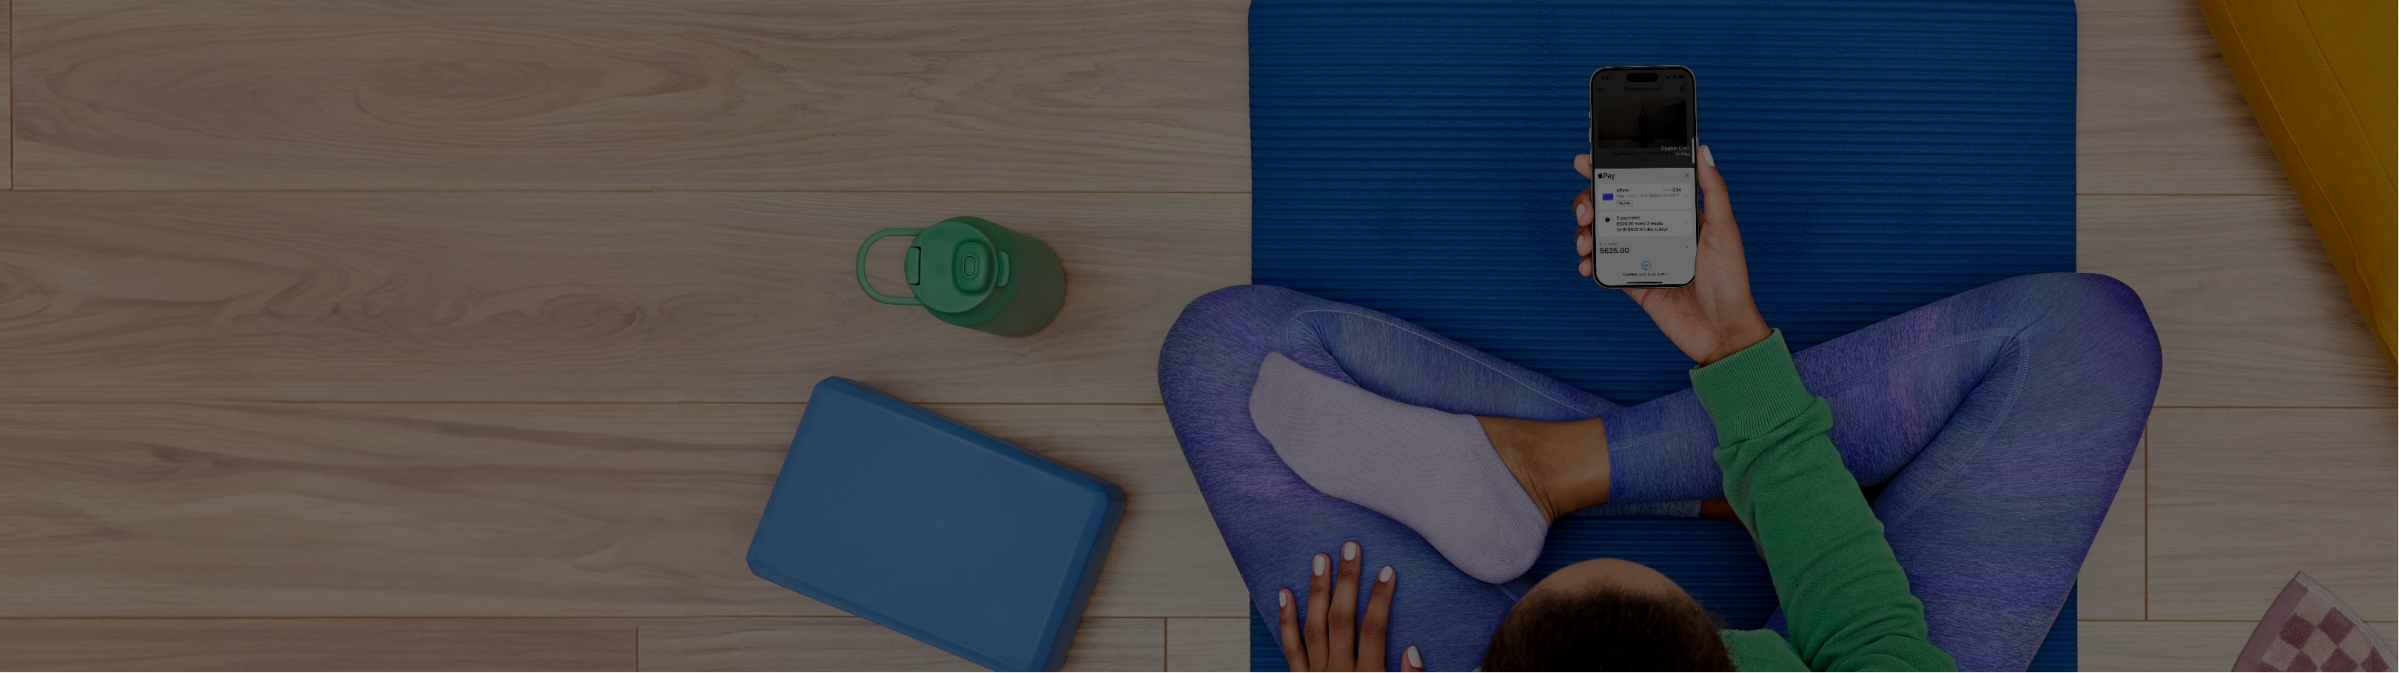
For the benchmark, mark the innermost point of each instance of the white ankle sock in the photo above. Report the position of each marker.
(1432, 471)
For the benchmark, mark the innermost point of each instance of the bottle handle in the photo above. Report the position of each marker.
(869, 287)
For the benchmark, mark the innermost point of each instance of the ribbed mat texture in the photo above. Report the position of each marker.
(1413, 156)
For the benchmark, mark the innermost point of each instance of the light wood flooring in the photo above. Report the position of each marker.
(460, 334)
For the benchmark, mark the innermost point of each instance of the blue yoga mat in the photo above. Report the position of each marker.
(1711, 559)
(1413, 156)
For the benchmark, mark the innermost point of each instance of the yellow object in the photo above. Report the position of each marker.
(2319, 75)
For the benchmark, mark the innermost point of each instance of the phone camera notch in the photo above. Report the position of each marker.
(1641, 77)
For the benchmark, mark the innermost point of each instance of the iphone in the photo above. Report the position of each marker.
(1644, 196)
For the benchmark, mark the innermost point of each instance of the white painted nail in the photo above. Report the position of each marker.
(1282, 599)
(1319, 565)
(1579, 208)
(1386, 576)
(1415, 659)
(1349, 551)
(1707, 156)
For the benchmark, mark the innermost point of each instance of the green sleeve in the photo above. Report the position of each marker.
(1761, 650)
(1841, 588)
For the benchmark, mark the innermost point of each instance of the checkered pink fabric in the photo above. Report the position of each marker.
(2308, 629)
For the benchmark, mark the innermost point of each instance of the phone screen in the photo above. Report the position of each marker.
(1644, 194)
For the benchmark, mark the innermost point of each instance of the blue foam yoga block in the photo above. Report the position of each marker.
(936, 530)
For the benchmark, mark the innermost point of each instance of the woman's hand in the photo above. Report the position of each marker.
(1335, 639)
(1714, 317)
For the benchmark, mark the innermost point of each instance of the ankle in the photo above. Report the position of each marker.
(1509, 438)
(1562, 465)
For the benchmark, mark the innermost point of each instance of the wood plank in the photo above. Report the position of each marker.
(2157, 112)
(2172, 646)
(654, 297)
(853, 644)
(7, 109)
(918, 95)
(2240, 499)
(1211, 644)
(334, 510)
(2114, 580)
(2163, 646)
(2247, 308)
(316, 644)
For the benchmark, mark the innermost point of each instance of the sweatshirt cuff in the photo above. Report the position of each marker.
(1751, 392)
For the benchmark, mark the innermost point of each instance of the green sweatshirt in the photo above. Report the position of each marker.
(1840, 586)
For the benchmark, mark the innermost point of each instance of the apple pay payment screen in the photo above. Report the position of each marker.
(1642, 202)
(1643, 226)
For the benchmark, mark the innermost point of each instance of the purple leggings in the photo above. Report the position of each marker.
(1997, 424)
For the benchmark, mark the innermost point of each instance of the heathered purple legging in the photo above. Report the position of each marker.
(1998, 423)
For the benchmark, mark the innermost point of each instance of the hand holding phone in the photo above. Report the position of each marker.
(1644, 141)
(1714, 316)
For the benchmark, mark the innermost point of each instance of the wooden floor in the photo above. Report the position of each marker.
(461, 334)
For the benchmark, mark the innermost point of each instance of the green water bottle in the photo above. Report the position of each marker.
(972, 273)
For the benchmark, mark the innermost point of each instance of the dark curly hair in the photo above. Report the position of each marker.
(1607, 629)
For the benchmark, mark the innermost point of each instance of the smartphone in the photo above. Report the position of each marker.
(1644, 189)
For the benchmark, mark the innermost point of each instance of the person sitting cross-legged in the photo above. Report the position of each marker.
(1992, 428)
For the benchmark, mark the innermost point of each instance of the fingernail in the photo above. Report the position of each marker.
(1413, 658)
(1349, 551)
(1319, 565)
(1707, 156)
(1386, 576)
(1579, 208)
(1282, 599)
